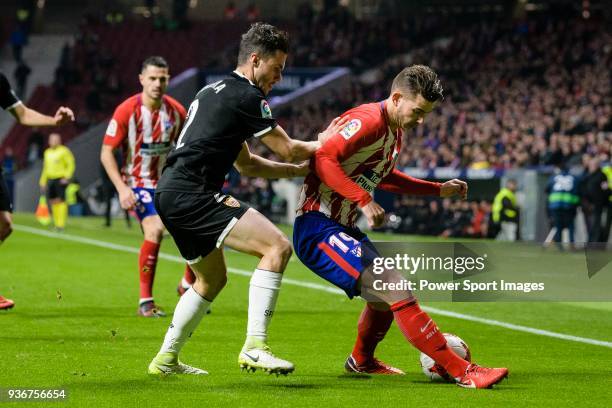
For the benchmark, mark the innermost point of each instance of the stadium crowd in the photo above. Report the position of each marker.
(517, 95)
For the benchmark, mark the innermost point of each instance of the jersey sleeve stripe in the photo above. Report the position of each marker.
(262, 132)
(13, 106)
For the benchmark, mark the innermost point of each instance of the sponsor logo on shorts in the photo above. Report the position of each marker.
(351, 129)
(231, 202)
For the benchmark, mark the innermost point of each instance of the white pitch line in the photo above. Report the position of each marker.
(323, 288)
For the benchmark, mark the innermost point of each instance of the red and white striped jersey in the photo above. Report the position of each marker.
(353, 163)
(366, 151)
(146, 137)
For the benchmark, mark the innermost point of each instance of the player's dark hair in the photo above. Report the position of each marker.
(419, 79)
(156, 61)
(263, 39)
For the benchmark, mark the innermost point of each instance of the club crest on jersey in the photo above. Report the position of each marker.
(111, 130)
(351, 128)
(266, 112)
(231, 202)
(356, 251)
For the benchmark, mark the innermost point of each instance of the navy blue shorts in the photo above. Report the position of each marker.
(336, 253)
(145, 206)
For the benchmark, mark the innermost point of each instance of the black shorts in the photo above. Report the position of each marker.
(198, 222)
(55, 189)
(5, 198)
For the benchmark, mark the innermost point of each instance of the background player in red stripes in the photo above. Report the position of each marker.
(348, 168)
(144, 126)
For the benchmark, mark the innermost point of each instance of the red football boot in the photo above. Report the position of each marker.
(5, 303)
(373, 366)
(481, 377)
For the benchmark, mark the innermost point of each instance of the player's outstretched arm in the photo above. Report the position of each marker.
(29, 117)
(252, 165)
(401, 183)
(293, 150)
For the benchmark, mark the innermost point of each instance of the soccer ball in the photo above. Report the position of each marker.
(436, 372)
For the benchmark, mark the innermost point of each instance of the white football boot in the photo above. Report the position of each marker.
(256, 354)
(168, 363)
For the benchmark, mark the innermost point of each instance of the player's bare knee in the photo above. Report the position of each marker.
(282, 249)
(154, 234)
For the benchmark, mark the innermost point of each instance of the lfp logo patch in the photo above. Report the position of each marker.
(266, 112)
(351, 128)
(111, 130)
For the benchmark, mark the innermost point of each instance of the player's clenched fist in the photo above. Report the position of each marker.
(374, 213)
(127, 198)
(63, 116)
(454, 188)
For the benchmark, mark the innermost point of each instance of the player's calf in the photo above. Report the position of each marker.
(6, 225)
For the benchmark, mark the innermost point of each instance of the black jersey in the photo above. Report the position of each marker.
(8, 99)
(221, 118)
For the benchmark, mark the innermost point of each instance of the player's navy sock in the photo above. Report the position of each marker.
(422, 332)
(147, 262)
(188, 278)
(372, 327)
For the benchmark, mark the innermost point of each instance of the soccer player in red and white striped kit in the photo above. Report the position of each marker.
(347, 169)
(145, 126)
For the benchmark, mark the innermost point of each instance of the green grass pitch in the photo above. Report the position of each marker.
(75, 326)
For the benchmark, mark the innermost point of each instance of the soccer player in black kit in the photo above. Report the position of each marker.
(27, 117)
(202, 219)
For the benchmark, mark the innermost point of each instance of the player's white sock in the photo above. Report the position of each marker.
(263, 292)
(187, 315)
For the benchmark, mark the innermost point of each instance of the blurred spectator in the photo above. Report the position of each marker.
(8, 168)
(179, 13)
(252, 12)
(505, 212)
(595, 199)
(21, 74)
(36, 143)
(563, 199)
(18, 40)
(230, 11)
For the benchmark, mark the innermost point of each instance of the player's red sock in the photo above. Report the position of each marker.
(147, 263)
(189, 275)
(372, 327)
(422, 332)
